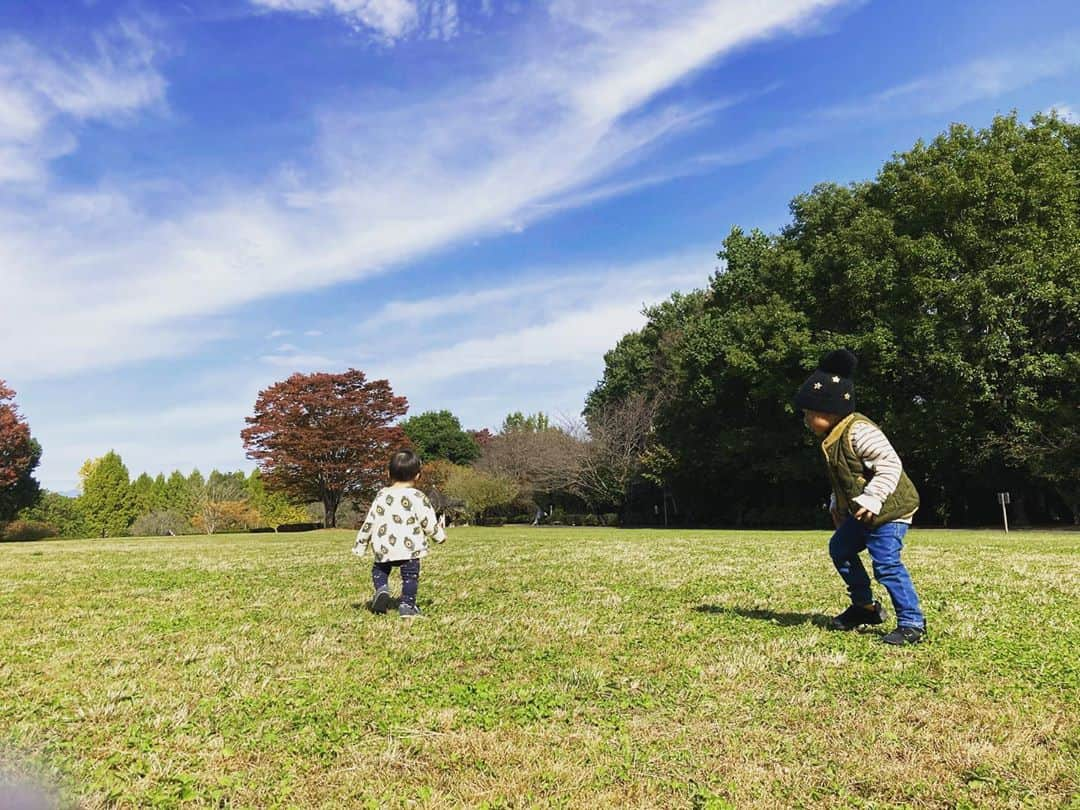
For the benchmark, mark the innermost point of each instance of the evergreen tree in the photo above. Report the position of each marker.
(178, 497)
(142, 495)
(106, 500)
(159, 494)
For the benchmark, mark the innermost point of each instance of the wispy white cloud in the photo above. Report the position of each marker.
(388, 20)
(568, 319)
(659, 42)
(536, 293)
(43, 97)
(966, 83)
(930, 94)
(571, 338)
(405, 178)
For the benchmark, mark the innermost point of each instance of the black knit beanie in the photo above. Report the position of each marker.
(830, 388)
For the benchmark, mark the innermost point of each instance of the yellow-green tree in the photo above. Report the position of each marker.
(106, 499)
(479, 492)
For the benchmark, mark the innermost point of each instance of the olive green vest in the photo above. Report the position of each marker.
(848, 475)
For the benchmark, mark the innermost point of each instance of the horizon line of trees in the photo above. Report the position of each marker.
(111, 504)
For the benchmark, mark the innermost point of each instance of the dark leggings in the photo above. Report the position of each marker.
(410, 578)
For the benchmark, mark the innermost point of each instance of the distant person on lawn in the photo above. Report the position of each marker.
(398, 526)
(872, 504)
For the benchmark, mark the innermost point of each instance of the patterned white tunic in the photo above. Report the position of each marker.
(398, 526)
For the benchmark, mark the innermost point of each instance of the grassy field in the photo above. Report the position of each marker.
(580, 668)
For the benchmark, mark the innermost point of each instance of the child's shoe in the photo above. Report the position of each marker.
(857, 615)
(902, 636)
(380, 601)
(408, 611)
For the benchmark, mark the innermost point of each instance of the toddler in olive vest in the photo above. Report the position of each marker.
(872, 504)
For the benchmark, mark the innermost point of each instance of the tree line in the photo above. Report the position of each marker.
(954, 275)
(111, 504)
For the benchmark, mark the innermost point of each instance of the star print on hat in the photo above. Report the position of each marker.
(830, 388)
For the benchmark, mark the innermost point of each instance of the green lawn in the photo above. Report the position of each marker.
(581, 668)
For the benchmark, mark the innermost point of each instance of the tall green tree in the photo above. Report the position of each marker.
(142, 494)
(159, 493)
(106, 500)
(954, 275)
(438, 434)
(178, 495)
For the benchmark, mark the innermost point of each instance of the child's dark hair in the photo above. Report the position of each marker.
(404, 465)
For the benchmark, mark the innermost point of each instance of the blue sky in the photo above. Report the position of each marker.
(472, 198)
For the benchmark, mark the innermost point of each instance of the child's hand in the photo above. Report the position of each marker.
(864, 515)
(359, 550)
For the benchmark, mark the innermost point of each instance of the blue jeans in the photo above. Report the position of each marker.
(410, 578)
(884, 544)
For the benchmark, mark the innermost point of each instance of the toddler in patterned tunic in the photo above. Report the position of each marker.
(398, 526)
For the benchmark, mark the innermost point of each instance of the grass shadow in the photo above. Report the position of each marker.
(776, 617)
(365, 604)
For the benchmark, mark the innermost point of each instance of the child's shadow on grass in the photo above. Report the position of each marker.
(393, 604)
(776, 617)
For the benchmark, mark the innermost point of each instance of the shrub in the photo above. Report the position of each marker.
(162, 523)
(610, 519)
(22, 530)
(60, 511)
(480, 493)
(225, 516)
(590, 520)
(299, 527)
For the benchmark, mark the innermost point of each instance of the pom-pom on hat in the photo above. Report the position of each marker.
(830, 388)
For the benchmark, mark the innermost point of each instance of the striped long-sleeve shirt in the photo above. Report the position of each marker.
(878, 456)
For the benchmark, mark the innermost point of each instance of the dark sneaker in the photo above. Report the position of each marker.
(857, 616)
(380, 601)
(408, 611)
(905, 635)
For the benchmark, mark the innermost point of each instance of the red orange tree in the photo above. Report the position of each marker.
(19, 455)
(325, 437)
